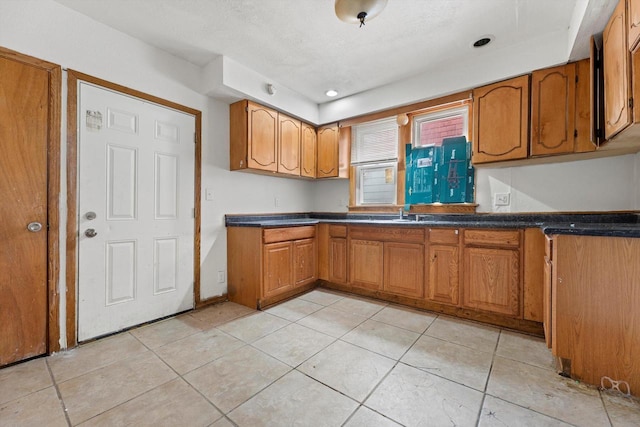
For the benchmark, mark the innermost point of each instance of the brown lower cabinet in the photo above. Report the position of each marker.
(268, 265)
(471, 273)
(593, 307)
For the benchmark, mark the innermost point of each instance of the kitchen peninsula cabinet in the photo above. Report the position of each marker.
(492, 277)
(444, 266)
(595, 295)
(266, 265)
(501, 121)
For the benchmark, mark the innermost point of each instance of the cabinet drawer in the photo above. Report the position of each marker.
(388, 234)
(338, 230)
(444, 235)
(509, 238)
(271, 235)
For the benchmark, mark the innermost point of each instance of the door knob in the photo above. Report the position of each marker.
(34, 227)
(90, 215)
(90, 232)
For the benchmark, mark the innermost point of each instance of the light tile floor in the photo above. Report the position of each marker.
(322, 359)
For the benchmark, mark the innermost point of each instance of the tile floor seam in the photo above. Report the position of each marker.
(373, 390)
(55, 386)
(486, 381)
(529, 409)
(205, 398)
(295, 367)
(604, 405)
(258, 392)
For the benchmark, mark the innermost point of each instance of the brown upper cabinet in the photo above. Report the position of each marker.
(501, 121)
(254, 137)
(633, 10)
(560, 113)
(328, 155)
(289, 135)
(617, 73)
(265, 140)
(553, 110)
(308, 150)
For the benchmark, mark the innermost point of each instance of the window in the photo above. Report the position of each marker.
(374, 154)
(431, 128)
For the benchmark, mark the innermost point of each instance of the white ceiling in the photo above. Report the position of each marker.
(301, 43)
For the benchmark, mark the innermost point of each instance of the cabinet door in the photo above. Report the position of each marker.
(290, 132)
(305, 261)
(338, 260)
(262, 138)
(501, 121)
(278, 274)
(492, 280)
(444, 265)
(547, 301)
(365, 264)
(553, 105)
(634, 23)
(327, 160)
(308, 163)
(404, 269)
(617, 114)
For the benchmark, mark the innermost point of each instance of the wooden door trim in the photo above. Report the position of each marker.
(53, 190)
(72, 180)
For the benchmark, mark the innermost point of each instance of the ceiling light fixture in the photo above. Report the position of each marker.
(354, 11)
(331, 93)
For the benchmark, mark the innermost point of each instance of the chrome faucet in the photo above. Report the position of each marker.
(401, 214)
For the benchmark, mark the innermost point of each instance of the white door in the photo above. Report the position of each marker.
(136, 211)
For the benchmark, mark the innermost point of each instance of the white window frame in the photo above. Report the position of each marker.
(363, 162)
(443, 113)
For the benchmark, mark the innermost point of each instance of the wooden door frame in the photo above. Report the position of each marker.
(72, 181)
(53, 190)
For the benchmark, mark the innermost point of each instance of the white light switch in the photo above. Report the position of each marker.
(208, 194)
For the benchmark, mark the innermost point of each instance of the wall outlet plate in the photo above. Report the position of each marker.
(220, 276)
(502, 199)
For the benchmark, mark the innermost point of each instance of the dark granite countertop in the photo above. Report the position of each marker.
(599, 224)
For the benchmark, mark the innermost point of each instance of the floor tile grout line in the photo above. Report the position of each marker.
(58, 393)
(528, 409)
(604, 405)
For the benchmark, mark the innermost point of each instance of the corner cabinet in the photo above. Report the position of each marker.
(328, 152)
(501, 121)
(267, 265)
(492, 273)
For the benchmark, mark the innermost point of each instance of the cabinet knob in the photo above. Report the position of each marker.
(559, 279)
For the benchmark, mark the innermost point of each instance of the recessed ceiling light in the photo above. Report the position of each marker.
(331, 93)
(483, 41)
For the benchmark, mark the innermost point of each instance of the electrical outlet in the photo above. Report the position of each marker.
(208, 194)
(502, 199)
(221, 276)
(276, 202)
